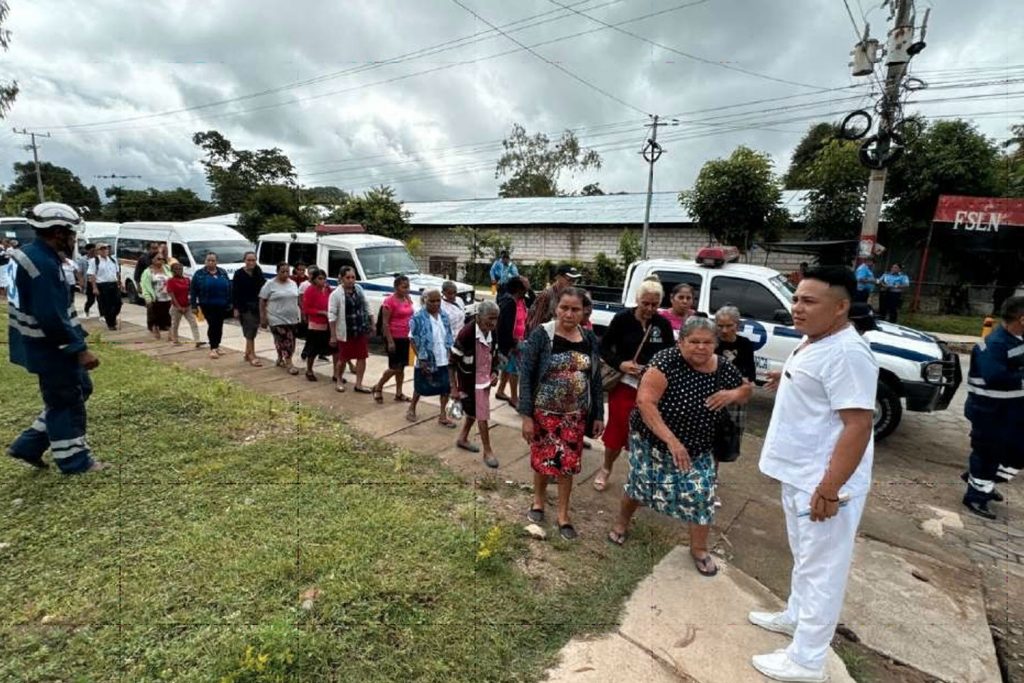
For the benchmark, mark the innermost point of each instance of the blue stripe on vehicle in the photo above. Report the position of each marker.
(787, 332)
(901, 353)
(607, 307)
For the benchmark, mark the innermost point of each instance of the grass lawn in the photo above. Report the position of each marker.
(950, 324)
(191, 560)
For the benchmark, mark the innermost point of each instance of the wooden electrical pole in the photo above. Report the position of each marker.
(35, 155)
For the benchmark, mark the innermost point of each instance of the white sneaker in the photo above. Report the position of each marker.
(779, 667)
(772, 621)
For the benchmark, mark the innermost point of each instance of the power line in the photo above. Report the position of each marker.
(673, 50)
(556, 65)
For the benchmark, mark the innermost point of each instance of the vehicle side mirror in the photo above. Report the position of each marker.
(782, 316)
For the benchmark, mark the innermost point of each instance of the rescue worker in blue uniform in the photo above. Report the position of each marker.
(995, 407)
(47, 339)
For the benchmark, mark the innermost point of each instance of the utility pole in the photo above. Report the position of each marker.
(901, 49)
(652, 151)
(35, 155)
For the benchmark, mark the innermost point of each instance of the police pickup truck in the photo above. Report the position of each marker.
(913, 367)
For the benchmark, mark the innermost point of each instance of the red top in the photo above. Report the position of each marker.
(177, 287)
(314, 305)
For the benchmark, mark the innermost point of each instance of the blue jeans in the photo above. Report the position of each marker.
(61, 426)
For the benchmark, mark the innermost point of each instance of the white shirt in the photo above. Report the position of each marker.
(818, 380)
(456, 311)
(103, 269)
(69, 269)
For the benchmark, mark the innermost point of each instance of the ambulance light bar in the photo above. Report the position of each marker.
(716, 257)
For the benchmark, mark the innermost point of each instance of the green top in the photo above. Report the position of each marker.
(149, 293)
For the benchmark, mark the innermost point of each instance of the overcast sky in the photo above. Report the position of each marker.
(409, 92)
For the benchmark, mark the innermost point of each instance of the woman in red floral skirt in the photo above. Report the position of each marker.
(560, 401)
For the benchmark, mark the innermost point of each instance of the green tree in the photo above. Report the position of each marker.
(533, 163)
(151, 204)
(1010, 165)
(8, 90)
(630, 248)
(838, 185)
(328, 195)
(234, 174)
(737, 199)
(273, 208)
(817, 138)
(14, 203)
(65, 185)
(482, 243)
(378, 211)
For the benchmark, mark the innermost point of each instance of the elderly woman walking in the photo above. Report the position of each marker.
(432, 339)
(211, 295)
(246, 285)
(314, 305)
(671, 466)
(156, 296)
(279, 310)
(395, 314)
(633, 337)
(349, 317)
(473, 360)
(560, 401)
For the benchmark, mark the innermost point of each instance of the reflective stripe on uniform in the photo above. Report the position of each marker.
(1015, 351)
(23, 317)
(26, 263)
(39, 425)
(65, 448)
(983, 485)
(1007, 472)
(976, 381)
(992, 393)
(26, 331)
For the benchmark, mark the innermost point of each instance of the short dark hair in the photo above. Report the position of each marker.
(299, 264)
(834, 276)
(87, 247)
(282, 264)
(503, 254)
(515, 286)
(345, 270)
(1012, 309)
(681, 286)
(400, 279)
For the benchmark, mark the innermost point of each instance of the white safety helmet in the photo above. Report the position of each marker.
(49, 215)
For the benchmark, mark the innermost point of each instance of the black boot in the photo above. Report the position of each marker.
(979, 507)
(994, 495)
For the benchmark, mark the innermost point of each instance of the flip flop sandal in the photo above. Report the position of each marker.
(311, 376)
(447, 423)
(705, 565)
(502, 397)
(402, 398)
(410, 416)
(378, 395)
(616, 538)
(471, 447)
(362, 390)
(256, 363)
(568, 532)
(536, 516)
(491, 462)
(601, 480)
(340, 388)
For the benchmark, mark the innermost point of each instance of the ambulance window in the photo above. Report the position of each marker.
(271, 253)
(336, 260)
(179, 254)
(302, 252)
(669, 279)
(753, 299)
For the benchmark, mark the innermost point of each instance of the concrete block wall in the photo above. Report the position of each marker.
(558, 242)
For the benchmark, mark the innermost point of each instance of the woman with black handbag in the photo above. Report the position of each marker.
(673, 435)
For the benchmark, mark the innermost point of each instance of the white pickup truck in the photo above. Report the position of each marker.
(913, 367)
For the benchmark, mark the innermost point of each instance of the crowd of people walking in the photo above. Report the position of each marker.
(675, 386)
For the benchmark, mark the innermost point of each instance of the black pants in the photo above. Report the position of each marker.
(890, 303)
(214, 324)
(993, 460)
(109, 300)
(861, 296)
(90, 299)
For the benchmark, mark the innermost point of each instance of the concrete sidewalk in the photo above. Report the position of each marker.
(911, 600)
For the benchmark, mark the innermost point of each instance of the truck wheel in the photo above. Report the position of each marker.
(131, 292)
(888, 411)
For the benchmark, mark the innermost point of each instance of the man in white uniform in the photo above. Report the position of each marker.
(820, 446)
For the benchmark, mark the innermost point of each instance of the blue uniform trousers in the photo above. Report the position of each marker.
(61, 425)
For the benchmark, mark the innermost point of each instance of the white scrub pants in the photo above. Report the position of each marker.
(822, 554)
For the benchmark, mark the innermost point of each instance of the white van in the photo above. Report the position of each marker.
(377, 261)
(188, 243)
(93, 232)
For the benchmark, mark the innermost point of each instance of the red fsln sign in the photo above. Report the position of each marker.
(979, 214)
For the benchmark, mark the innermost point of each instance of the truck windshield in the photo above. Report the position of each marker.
(784, 288)
(227, 251)
(384, 261)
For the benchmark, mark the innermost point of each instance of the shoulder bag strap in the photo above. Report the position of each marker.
(643, 341)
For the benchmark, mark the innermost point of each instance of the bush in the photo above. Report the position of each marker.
(607, 271)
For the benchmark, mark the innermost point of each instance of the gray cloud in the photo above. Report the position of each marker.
(108, 61)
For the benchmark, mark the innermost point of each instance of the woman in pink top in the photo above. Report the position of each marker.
(682, 307)
(318, 335)
(396, 311)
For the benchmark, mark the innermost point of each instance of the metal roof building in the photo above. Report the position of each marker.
(612, 209)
